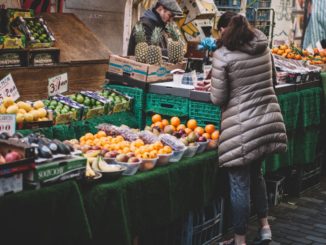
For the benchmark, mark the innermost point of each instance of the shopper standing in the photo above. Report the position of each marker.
(161, 14)
(316, 28)
(252, 125)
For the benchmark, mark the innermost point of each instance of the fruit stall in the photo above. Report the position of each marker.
(128, 147)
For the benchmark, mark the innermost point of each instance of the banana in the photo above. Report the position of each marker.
(89, 171)
(92, 153)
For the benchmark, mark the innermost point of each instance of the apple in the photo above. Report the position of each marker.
(95, 147)
(103, 152)
(12, 156)
(122, 158)
(111, 154)
(131, 154)
(202, 139)
(176, 134)
(133, 160)
(85, 148)
(184, 141)
(2, 159)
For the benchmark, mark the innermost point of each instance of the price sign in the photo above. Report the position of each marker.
(8, 123)
(8, 88)
(58, 84)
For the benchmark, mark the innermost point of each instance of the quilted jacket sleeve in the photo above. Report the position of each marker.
(219, 86)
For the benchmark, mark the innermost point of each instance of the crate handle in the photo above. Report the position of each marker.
(166, 105)
(63, 164)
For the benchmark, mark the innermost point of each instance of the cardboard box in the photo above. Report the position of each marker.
(197, 29)
(128, 67)
(202, 96)
(11, 184)
(171, 88)
(25, 163)
(57, 171)
(195, 9)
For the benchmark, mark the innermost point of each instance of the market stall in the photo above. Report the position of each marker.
(129, 146)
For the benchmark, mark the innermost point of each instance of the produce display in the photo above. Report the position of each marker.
(25, 111)
(35, 30)
(44, 149)
(292, 52)
(12, 150)
(151, 53)
(119, 102)
(65, 108)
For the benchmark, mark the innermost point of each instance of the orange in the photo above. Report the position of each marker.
(207, 135)
(283, 47)
(298, 57)
(215, 135)
(89, 136)
(280, 52)
(305, 52)
(100, 134)
(188, 130)
(192, 124)
(274, 50)
(199, 130)
(159, 124)
(165, 122)
(156, 118)
(175, 121)
(288, 50)
(181, 126)
(209, 128)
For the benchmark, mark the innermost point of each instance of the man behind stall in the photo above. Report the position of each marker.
(161, 14)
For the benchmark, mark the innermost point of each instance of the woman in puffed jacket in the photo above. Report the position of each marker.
(252, 125)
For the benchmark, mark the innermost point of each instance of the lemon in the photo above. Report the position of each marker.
(13, 109)
(22, 111)
(3, 109)
(20, 118)
(8, 101)
(38, 104)
(29, 117)
(42, 112)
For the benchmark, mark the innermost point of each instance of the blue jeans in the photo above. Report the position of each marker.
(243, 182)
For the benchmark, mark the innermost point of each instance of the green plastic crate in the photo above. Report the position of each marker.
(167, 105)
(204, 113)
(140, 118)
(137, 93)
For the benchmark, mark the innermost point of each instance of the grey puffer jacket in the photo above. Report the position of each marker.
(252, 124)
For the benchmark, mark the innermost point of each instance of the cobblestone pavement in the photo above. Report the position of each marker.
(300, 220)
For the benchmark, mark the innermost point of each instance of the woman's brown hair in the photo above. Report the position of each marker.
(238, 33)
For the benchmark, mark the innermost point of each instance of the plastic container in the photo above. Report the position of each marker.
(132, 168)
(110, 160)
(148, 164)
(164, 159)
(177, 155)
(202, 146)
(191, 150)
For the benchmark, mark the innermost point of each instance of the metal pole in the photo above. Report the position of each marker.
(243, 7)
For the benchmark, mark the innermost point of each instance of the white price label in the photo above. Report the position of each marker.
(194, 77)
(8, 123)
(8, 88)
(58, 84)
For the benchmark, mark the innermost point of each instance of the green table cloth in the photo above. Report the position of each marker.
(51, 215)
(120, 210)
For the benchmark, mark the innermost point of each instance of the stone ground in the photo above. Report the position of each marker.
(300, 220)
